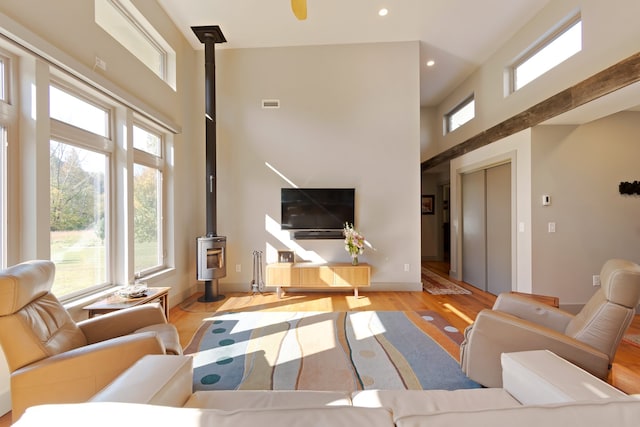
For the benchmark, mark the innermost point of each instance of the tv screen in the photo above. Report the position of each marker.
(316, 208)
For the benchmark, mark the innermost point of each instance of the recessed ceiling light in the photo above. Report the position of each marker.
(383, 12)
(431, 63)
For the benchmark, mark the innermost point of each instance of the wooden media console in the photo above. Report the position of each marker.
(318, 276)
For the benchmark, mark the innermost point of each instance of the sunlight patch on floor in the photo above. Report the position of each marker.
(353, 302)
(366, 324)
(458, 313)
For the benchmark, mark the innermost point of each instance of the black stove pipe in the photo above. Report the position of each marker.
(210, 35)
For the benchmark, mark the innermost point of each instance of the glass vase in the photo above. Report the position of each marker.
(354, 260)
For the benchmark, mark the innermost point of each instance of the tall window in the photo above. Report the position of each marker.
(4, 78)
(3, 196)
(460, 115)
(147, 204)
(549, 53)
(8, 120)
(79, 160)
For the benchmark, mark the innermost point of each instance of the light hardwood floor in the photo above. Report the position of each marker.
(459, 310)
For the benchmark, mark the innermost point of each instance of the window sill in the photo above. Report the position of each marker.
(84, 300)
(157, 276)
(79, 302)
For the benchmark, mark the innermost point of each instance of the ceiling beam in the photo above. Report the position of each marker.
(609, 80)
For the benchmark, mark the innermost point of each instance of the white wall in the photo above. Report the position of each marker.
(429, 127)
(610, 34)
(580, 167)
(349, 117)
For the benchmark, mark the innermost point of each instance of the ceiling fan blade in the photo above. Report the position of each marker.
(299, 8)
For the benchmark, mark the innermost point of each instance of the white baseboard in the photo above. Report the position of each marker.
(375, 287)
(185, 294)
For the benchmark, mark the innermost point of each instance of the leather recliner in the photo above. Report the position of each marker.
(589, 339)
(53, 359)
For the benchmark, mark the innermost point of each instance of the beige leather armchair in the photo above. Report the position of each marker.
(53, 359)
(589, 339)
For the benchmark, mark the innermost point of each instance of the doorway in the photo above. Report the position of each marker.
(486, 228)
(445, 195)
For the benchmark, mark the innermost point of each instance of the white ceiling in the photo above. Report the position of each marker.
(458, 35)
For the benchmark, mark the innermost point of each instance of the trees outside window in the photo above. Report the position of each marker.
(147, 200)
(77, 218)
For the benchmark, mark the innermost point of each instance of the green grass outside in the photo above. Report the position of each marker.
(80, 260)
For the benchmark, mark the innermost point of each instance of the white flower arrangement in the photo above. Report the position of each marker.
(353, 241)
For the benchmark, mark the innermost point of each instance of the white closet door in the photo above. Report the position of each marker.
(474, 240)
(498, 189)
(486, 229)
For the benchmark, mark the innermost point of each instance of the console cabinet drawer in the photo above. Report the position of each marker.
(316, 276)
(352, 276)
(282, 274)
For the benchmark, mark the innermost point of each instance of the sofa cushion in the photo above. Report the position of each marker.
(99, 414)
(618, 413)
(539, 377)
(404, 403)
(154, 379)
(241, 399)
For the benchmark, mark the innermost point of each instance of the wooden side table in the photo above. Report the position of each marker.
(115, 302)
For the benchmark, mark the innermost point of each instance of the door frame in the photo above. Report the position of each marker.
(516, 149)
(488, 164)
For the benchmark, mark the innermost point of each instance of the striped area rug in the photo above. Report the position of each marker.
(438, 285)
(341, 351)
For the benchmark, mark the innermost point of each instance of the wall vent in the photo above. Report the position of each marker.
(270, 103)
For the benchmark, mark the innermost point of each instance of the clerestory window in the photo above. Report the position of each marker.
(461, 114)
(121, 20)
(551, 51)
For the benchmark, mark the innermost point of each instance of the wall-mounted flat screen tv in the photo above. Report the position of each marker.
(317, 208)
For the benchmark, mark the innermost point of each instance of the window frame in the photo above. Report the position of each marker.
(72, 135)
(150, 160)
(5, 78)
(82, 96)
(138, 23)
(450, 115)
(8, 151)
(30, 130)
(4, 188)
(558, 31)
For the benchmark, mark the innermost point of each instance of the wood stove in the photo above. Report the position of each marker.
(211, 248)
(212, 265)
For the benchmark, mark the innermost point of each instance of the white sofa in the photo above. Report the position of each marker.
(539, 388)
